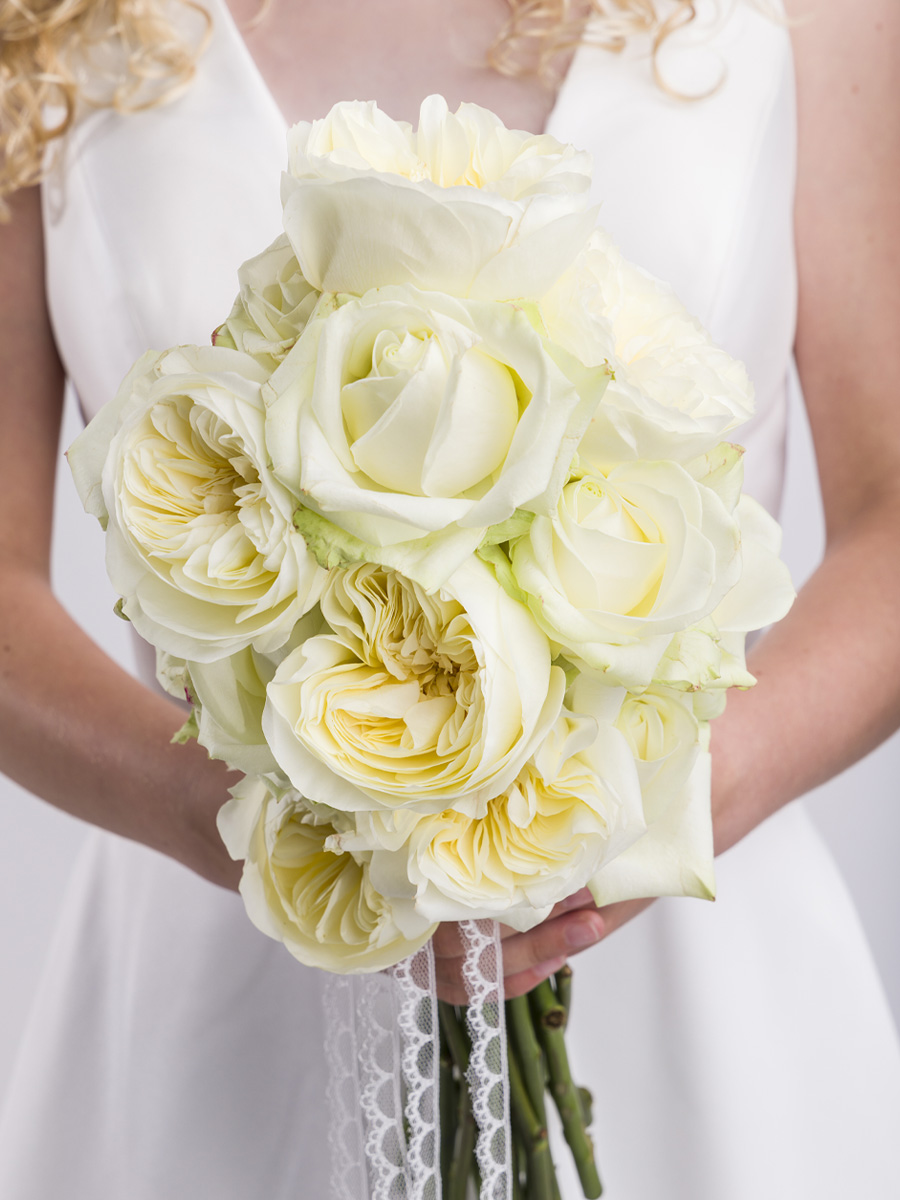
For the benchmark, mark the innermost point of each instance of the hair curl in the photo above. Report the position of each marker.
(59, 57)
(539, 32)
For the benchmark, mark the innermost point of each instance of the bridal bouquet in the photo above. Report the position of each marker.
(443, 539)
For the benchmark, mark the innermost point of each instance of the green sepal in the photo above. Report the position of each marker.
(330, 545)
(222, 337)
(429, 560)
(571, 672)
(189, 731)
(514, 527)
(498, 561)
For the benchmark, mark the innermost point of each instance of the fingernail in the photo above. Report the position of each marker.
(581, 934)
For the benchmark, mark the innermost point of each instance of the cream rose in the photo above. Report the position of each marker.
(675, 393)
(200, 543)
(413, 699)
(628, 559)
(318, 901)
(463, 206)
(273, 306)
(710, 655)
(575, 804)
(402, 414)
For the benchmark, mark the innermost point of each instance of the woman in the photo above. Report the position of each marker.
(183, 1056)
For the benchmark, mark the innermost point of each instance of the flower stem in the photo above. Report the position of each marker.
(533, 1133)
(448, 1101)
(462, 1163)
(519, 1170)
(563, 981)
(528, 1050)
(550, 1022)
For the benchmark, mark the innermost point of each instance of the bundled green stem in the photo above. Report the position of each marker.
(550, 1017)
(532, 1131)
(538, 1061)
(460, 1161)
(522, 1038)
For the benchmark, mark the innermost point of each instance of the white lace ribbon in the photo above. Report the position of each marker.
(417, 1019)
(383, 1049)
(488, 1073)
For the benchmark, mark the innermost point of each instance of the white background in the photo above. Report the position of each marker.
(858, 812)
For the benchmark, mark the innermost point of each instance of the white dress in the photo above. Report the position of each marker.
(736, 1051)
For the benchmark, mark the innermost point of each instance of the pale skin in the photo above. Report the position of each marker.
(79, 732)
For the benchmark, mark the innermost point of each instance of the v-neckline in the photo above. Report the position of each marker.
(234, 34)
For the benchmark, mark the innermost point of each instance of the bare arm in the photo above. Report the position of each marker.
(74, 727)
(828, 675)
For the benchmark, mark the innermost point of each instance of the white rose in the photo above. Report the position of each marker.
(402, 414)
(675, 393)
(432, 701)
(628, 559)
(272, 308)
(674, 856)
(319, 902)
(711, 654)
(465, 206)
(574, 805)
(199, 537)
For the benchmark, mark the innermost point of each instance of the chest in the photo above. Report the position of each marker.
(312, 55)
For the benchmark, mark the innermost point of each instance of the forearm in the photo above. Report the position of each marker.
(78, 731)
(828, 687)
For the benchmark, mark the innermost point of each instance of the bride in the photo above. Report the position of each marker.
(734, 1050)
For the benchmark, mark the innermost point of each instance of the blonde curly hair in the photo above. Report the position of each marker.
(60, 57)
(539, 32)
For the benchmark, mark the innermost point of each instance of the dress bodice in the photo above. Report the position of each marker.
(158, 209)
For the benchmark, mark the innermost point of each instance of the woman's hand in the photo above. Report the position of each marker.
(530, 957)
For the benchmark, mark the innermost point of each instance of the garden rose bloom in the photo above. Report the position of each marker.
(675, 394)
(435, 701)
(574, 805)
(318, 901)
(464, 206)
(200, 543)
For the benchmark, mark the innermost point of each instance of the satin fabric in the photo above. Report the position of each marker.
(736, 1050)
